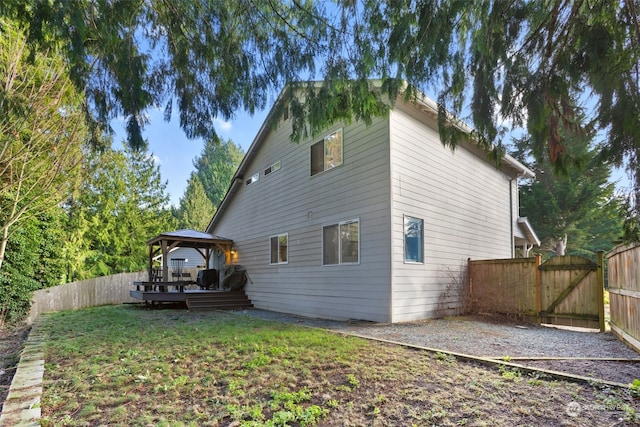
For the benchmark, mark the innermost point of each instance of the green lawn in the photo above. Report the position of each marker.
(125, 365)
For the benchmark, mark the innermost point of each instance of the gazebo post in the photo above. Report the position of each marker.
(207, 257)
(165, 261)
(150, 269)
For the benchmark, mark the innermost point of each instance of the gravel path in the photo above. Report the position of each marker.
(496, 337)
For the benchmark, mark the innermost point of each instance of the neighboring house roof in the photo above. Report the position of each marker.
(527, 229)
(426, 104)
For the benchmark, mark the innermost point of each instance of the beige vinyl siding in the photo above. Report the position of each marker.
(291, 201)
(464, 202)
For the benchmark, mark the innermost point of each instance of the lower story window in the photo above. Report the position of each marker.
(280, 249)
(341, 243)
(413, 239)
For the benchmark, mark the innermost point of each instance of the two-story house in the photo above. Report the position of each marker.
(369, 222)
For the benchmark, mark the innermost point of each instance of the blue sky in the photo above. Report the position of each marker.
(174, 153)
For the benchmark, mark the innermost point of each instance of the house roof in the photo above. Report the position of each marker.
(426, 104)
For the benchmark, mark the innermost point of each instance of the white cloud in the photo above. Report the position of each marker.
(223, 125)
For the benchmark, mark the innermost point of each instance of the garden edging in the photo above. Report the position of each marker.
(22, 406)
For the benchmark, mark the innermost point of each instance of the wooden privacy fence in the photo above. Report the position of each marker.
(104, 290)
(505, 286)
(624, 293)
(565, 290)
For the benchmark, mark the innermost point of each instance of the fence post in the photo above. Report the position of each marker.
(600, 291)
(538, 288)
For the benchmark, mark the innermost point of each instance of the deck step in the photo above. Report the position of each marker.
(219, 301)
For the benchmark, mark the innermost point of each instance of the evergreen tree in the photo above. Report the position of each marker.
(575, 212)
(210, 57)
(196, 210)
(121, 206)
(76, 248)
(216, 166)
(530, 63)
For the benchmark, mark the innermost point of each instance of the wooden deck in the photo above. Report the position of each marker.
(195, 299)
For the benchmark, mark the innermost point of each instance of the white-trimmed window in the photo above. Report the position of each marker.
(326, 154)
(274, 167)
(413, 240)
(279, 249)
(253, 178)
(341, 243)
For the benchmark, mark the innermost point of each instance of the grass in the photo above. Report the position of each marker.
(129, 366)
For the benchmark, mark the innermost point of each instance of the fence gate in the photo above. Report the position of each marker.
(571, 292)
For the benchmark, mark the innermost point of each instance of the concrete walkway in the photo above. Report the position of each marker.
(22, 407)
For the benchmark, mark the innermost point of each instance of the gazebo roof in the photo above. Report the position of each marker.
(204, 243)
(188, 239)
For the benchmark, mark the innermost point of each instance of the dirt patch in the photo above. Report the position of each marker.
(11, 343)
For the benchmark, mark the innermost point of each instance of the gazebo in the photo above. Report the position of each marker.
(158, 288)
(203, 243)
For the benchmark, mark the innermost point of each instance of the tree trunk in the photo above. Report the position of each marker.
(3, 244)
(561, 246)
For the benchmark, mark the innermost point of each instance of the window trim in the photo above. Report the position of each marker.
(277, 236)
(276, 166)
(340, 224)
(404, 240)
(253, 179)
(323, 141)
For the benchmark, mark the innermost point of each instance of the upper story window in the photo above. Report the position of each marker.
(341, 243)
(413, 240)
(274, 167)
(253, 178)
(326, 154)
(280, 249)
